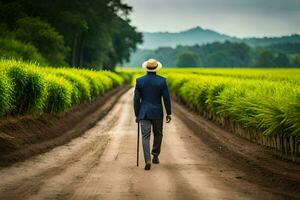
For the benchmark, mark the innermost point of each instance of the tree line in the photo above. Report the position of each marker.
(92, 33)
(223, 54)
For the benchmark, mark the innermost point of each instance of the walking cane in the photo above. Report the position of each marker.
(138, 144)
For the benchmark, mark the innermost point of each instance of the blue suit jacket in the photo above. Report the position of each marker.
(148, 94)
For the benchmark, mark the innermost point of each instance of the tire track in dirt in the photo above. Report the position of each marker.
(36, 172)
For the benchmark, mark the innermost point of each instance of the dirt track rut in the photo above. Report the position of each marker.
(101, 164)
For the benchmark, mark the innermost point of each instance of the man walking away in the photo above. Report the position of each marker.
(148, 94)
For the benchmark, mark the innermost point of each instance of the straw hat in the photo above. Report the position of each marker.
(152, 65)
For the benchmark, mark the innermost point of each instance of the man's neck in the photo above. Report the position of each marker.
(151, 73)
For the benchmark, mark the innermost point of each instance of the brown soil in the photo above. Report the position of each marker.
(261, 165)
(22, 137)
(198, 161)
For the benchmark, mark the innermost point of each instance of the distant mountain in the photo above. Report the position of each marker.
(202, 36)
(189, 37)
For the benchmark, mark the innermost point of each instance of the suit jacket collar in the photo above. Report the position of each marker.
(151, 73)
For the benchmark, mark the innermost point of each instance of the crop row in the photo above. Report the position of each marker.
(266, 108)
(27, 88)
(291, 75)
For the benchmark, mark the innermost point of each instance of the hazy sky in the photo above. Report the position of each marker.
(234, 17)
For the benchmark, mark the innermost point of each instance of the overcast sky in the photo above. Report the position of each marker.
(240, 18)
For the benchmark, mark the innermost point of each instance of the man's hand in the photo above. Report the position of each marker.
(137, 120)
(168, 118)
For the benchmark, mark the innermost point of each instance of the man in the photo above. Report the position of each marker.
(148, 94)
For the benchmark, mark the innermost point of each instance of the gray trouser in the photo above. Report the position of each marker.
(157, 126)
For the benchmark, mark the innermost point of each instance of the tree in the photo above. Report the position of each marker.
(281, 60)
(96, 32)
(295, 60)
(227, 54)
(265, 59)
(44, 37)
(19, 50)
(124, 41)
(220, 58)
(188, 59)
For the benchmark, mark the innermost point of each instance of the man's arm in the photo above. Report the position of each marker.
(137, 100)
(167, 101)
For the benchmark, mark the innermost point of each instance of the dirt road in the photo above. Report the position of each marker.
(101, 164)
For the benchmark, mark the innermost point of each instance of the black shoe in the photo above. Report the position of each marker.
(155, 160)
(148, 166)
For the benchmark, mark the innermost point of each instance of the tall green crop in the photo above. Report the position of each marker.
(268, 104)
(59, 94)
(29, 89)
(26, 88)
(6, 98)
